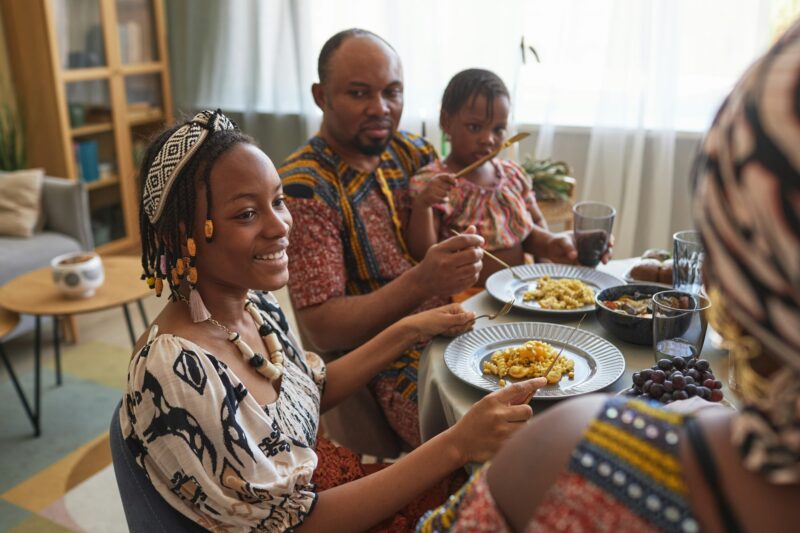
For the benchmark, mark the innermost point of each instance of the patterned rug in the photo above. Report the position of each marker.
(63, 480)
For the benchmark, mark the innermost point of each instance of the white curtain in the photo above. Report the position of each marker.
(621, 82)
(249, 58)
(634, 75)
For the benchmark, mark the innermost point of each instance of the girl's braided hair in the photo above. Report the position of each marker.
(468, 85)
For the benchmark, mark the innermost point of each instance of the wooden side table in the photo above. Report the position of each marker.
(557, 212)
(34, 293)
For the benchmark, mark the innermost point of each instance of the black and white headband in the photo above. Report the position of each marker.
(173, 156)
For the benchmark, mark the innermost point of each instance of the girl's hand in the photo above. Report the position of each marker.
(559, 248)
(450, 320)
(436, 191)
(481, 432)
(562, 248)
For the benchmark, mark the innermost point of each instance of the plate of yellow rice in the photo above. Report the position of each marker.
(498, 355)
(550, 288)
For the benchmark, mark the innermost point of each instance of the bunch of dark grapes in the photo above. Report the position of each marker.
(677, 379)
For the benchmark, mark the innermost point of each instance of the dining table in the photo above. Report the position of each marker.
(444, 398)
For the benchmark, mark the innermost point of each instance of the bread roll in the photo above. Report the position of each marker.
(646, 270)
(665, 272)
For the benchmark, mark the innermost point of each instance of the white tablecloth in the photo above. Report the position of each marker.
(443, 398)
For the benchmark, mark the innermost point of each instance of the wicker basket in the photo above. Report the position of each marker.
(556, 210)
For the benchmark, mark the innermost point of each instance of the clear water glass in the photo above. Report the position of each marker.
(680, 320)
(687, 261)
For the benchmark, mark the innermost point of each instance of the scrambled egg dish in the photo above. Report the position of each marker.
(560, 293)
(529, 361)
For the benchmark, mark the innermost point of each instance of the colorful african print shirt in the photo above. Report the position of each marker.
(209, 448)
(625, 475)
(347, 236)
(501, 213)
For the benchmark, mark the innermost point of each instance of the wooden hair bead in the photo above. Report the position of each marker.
(192, 276)
(176, 279)
(208, 229)
(190, 245)
(180, 266)
(159, 286)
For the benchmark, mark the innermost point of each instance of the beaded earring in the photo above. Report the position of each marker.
(197, 307)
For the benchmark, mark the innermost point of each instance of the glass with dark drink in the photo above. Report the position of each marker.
(592, 226)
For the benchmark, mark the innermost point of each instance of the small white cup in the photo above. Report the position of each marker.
(78, 274)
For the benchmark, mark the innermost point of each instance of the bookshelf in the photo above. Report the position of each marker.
(92, 81)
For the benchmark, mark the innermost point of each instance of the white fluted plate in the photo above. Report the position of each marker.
(503, 286)
(598, 363)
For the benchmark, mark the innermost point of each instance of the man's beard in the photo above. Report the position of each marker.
(376, 148)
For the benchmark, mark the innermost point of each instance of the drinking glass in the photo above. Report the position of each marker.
(680, 320)
(687, 261)
(592, 225)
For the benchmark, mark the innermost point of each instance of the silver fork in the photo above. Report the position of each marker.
(504, 311)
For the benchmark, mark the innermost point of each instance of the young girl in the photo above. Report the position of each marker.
(495, 197)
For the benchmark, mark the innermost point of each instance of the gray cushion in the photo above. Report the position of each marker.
(65, 204)
(20, 255)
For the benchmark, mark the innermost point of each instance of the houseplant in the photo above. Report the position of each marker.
(12, 149)
(550, 180)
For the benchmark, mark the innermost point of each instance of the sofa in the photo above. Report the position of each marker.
(67, 228)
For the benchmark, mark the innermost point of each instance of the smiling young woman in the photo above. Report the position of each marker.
(222, 404)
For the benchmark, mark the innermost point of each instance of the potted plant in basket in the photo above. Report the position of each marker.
(550, 180)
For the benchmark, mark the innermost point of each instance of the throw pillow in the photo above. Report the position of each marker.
(20, 201)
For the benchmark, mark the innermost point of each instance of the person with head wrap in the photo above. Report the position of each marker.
(617, 464)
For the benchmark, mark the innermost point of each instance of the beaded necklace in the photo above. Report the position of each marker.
(271, 368)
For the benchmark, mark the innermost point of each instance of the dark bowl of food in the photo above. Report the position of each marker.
(626, 311)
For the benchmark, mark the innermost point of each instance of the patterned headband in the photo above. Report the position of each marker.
(173, 156)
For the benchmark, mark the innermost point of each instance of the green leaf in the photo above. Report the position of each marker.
(549, 179)
(12, 149)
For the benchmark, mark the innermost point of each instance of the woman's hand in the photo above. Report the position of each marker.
(481, 432)
(436, 191)
(450, 320)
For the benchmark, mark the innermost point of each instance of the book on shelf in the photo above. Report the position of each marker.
(86, 156)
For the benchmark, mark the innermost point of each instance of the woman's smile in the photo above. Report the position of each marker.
(277, 259)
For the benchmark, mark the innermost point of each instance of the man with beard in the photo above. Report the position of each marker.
(351, 275)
